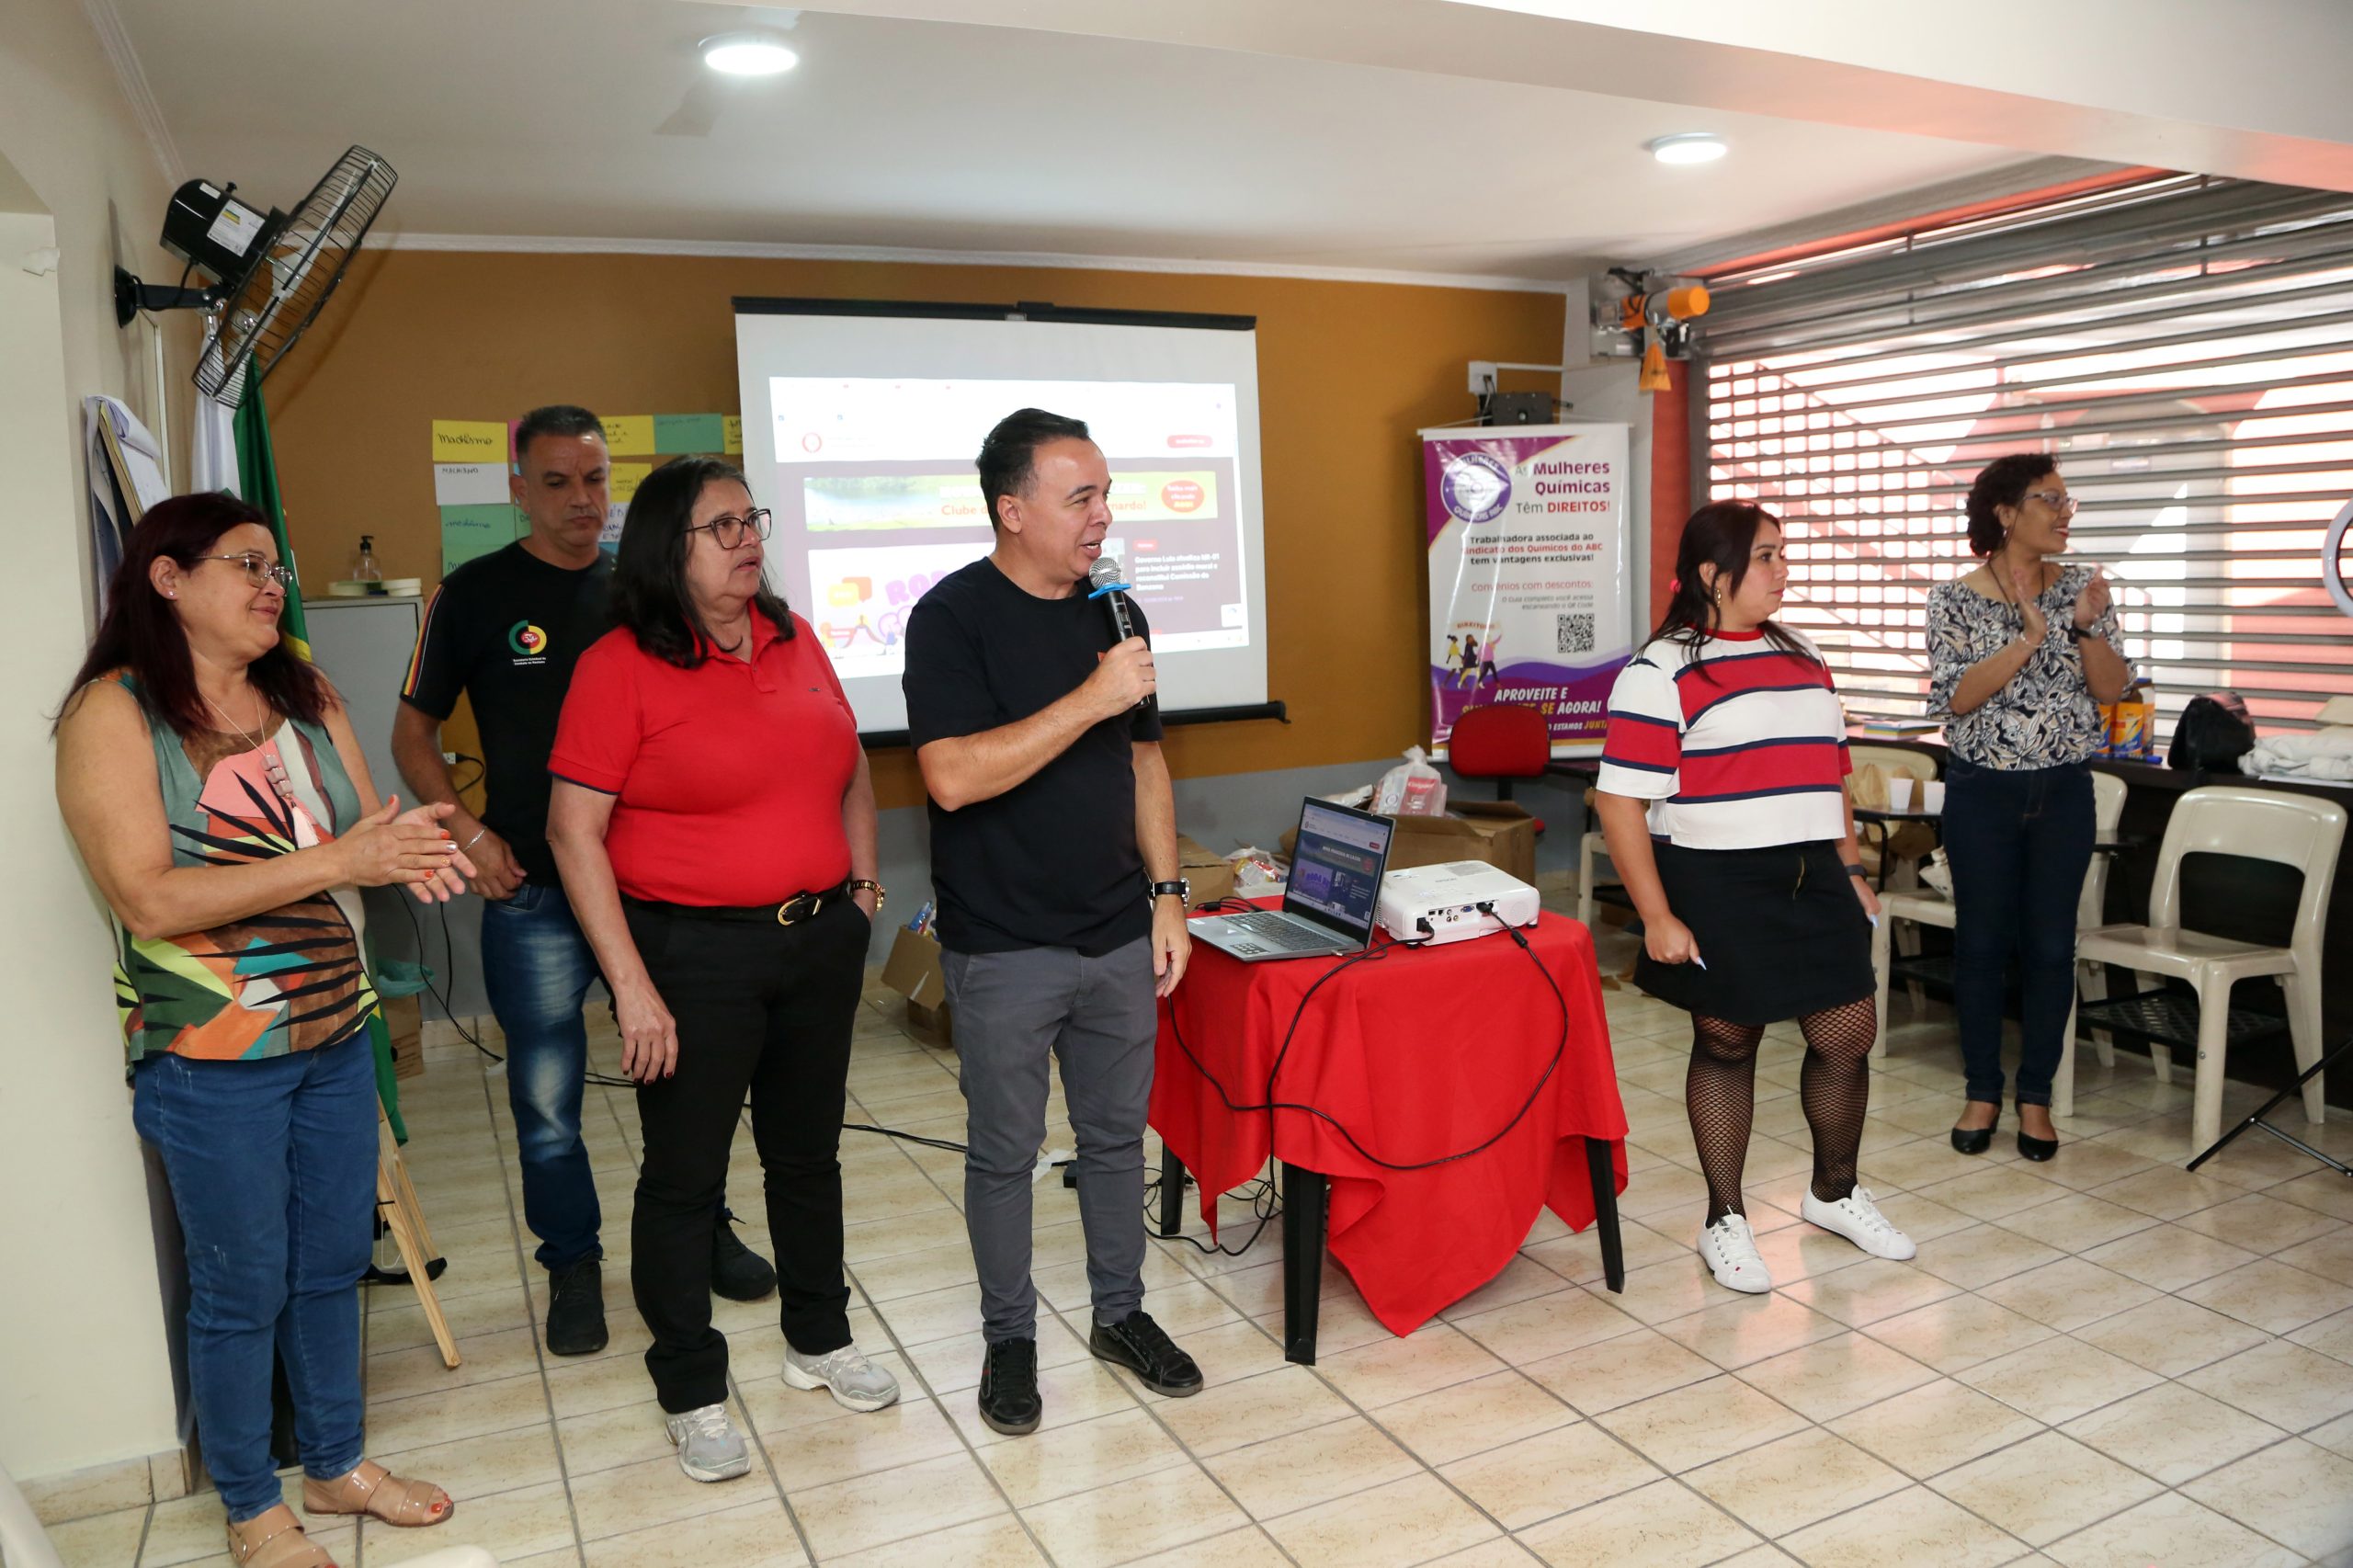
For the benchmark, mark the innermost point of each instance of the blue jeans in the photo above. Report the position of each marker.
(272, 1167)
(537, 967)
(2020, 844)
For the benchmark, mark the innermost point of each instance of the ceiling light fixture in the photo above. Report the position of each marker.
(749, 54)
(1688, 147)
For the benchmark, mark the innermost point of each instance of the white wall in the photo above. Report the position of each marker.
(84, 1374)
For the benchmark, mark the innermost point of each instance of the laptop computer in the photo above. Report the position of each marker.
(1336, 866)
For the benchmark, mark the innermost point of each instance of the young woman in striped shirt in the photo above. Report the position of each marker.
(1722, 799)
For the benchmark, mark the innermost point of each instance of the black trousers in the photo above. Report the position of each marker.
(768, 1009)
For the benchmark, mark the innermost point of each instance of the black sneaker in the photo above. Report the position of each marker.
(576, 1308)
(1143, 1347)
(736, 1271)
(1009, 1401)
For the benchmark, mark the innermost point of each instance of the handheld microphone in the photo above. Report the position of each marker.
(1104, 579)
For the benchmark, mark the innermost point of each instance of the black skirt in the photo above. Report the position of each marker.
(1780, 928)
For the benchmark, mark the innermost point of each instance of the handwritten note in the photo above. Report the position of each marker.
(468, 441)
(731, 435)
(621, 481)
(630, 434)
(469, 484)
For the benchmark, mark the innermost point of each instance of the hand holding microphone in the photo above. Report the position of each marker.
(1126, 672)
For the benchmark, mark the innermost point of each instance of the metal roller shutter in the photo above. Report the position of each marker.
(2184, 348)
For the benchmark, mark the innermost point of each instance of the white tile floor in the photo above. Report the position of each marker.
(2100, 1361)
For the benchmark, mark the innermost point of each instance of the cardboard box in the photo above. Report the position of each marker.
(913, 971)
(1206, 869)
(404, 1021)
(1499, 833)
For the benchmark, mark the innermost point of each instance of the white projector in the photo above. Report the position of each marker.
(1441, 903)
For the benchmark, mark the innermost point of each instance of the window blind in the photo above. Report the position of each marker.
(2183, 347)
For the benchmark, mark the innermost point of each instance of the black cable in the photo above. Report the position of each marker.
(1265, 1202)
(1270, 1105)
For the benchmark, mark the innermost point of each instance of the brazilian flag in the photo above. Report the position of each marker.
(258, 483)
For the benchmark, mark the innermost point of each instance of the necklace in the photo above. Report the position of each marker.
(272, 768)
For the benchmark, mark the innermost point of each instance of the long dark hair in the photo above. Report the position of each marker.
(650, 593)
(140, 635)
(1720, 534)
(1999, 483)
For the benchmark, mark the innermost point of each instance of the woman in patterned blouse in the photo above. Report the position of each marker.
(213, 783)
(2021, 651)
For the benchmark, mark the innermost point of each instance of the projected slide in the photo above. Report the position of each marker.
(861, 432)
(883, 500)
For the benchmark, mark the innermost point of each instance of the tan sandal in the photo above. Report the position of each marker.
(409, 1504)
(260, 1543)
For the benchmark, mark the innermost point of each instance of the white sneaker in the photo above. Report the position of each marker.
(1857, 1219)
(1729, 1247)
(856, 1383)
(709, 1448)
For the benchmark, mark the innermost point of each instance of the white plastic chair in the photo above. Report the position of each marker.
(2301, 831)
(1593, 853)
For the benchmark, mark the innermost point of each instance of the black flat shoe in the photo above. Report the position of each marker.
(1143, 1347)
(1976, 1139)
(2036, 1149)
(736, 1271)
(576, 1308)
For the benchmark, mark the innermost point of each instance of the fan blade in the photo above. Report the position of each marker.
(697, 112)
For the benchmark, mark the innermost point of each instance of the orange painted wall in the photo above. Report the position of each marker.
(1347, 373)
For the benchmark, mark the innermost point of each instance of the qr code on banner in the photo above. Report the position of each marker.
(1573, 633)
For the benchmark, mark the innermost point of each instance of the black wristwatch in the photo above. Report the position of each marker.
(2080, 633)
(1180, 890)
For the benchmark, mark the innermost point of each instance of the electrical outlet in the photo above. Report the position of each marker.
(1483, 377)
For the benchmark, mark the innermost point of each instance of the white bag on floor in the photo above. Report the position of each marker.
(1411, 789)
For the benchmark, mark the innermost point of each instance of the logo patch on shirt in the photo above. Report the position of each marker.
(529, 643)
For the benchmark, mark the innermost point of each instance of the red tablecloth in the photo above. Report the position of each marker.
(1420, 1053)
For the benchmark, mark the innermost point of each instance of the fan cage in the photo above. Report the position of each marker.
(287, 287)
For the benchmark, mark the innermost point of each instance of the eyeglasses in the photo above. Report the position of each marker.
(260, 569)
(729, 532)
(2058, 501)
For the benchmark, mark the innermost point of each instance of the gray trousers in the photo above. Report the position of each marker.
(1097, 1015)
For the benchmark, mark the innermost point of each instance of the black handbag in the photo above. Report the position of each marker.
(2213, 733)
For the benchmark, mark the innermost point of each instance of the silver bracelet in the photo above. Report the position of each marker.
(470, 842)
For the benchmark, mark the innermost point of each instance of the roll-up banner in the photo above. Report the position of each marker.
(1530, 573)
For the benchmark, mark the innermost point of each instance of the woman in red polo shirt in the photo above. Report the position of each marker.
(714, 823)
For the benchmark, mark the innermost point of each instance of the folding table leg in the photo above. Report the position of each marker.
(1303, 1193)
(1604, 1212)
(1172, 1192)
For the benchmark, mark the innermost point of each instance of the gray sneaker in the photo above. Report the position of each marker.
(856, 1383)
(709, 1448)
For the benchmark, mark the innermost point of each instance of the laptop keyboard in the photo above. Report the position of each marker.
(1277, 932)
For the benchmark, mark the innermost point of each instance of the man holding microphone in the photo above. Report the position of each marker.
(1053, 834)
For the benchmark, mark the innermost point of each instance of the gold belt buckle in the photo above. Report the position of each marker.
(792, 911)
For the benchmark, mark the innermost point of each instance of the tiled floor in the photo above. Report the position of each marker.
(2101, 1361)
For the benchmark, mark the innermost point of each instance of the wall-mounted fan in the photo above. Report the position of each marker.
(271, 272)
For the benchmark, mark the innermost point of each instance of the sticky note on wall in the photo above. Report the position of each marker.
(470, 485)
(622, 480)
(730, 433)
(468, 532)
(470, 441)
(629, 433)
(675, 432)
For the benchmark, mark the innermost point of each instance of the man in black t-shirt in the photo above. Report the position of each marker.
(504, 631)
(1053, 838)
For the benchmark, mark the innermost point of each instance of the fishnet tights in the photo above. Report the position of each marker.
(1720, 1094)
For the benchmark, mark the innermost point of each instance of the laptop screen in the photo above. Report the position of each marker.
(1336, 866)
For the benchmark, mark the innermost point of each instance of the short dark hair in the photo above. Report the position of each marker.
(650, 593)
(1009, 458)
(555, 419)
(2002, 482)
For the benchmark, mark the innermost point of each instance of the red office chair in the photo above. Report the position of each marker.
(1501, 741)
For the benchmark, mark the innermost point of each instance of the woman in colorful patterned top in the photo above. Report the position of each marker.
(2021, 652)
(1722, 794)
(210, 778)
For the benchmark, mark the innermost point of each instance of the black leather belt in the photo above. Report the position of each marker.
(792, 912)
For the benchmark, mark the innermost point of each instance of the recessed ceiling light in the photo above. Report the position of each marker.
(749, 54)
(1688, 147)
